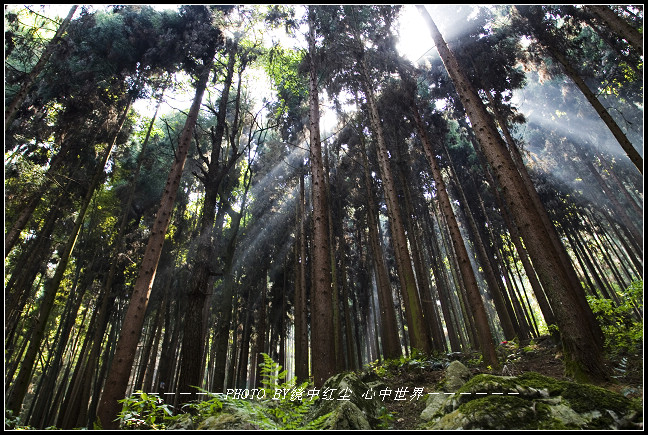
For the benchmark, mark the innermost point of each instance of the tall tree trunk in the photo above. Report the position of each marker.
(260, 343)
(117, 380)
(13, 107)
(301, 307)
(148, 386)
(21, 384)
(323, 341)
(611, 196)
(492, 280)
(582, 349)
(618, 25)
(417, 332)
(389, 327)
(193, 337)
(443, 284)
(335, 290)
(477, 308)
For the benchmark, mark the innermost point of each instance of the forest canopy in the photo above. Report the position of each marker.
(194, 193)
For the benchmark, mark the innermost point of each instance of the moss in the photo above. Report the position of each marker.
(351, 383)
(493, 412)
(530, 401)
(488, 384)
(538, 381)
(585, 398)
(550, 422)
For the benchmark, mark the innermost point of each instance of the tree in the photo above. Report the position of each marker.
(552, 44)
(476, 303)
(583, 356)
(618, 25)
(322, 340)
(117, 379)
(10, 111)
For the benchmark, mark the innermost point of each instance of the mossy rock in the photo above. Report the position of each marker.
(531, 401)
(230, 418)
(456, 375)
(355, 413)
(182, 422)
(492, 412)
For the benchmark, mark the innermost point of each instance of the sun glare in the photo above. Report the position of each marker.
(414, 38)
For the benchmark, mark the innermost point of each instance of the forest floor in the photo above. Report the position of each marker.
(542, 356)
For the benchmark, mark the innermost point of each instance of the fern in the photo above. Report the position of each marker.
(290, 410)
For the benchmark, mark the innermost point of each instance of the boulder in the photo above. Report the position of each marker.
(531, 401)
(352, 411)
(456, 375)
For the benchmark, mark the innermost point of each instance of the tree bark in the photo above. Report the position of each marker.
(51, 287)
(389, 327)
(477, 308)
(117, 380)
(582, 349)
(322, 344)
(419, 338)
(301, 309)
(618, 25)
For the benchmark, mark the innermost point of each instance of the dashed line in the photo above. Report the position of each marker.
(434, 392)
(471, 393)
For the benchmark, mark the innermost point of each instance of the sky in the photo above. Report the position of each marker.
(415, 41)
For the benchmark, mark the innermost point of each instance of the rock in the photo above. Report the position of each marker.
(183, 422)
(357, 412)
(347, 416)
(231, 417)
(433, 404)
(489, 412)
(530, 401)
(456, 375)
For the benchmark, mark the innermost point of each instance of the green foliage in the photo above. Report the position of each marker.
(144, 411)
(386, 418)
(291, 409)
(416, 360)
(620, 324)
(206, 408)
(13, 421)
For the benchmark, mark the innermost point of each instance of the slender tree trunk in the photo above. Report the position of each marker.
(478, 311)
(323, 341)
(389, 327)
(301, 309)
(19, 287)
(13, 107)
(581, 346)
(443, 286)
(117, 380)
(618, 25)
(419, 338)
(617, 208)
(494, 284)
(260, 343)
(51, 287)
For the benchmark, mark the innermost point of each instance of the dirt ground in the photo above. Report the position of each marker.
(544, 357)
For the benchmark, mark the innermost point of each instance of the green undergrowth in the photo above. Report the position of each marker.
(417, 360)
(271, 411)
(622, 324)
